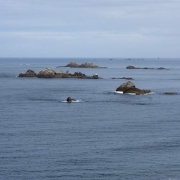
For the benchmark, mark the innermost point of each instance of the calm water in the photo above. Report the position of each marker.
(103, 136)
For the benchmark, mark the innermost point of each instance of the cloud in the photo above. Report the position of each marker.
(86, 23)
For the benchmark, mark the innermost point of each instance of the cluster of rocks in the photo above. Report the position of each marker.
(50, 73)
(129, 87)
(83, 65)
(133, 67)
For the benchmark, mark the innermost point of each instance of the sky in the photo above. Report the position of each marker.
(90, 28)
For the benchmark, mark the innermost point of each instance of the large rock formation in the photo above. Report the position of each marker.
(125, 86)
(46, 73)
(29, 73)
(129, 87)
(50, 73)
(83, 65)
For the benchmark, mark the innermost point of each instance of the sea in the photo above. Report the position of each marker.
(103, 135)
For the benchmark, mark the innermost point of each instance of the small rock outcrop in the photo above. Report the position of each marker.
(127, 78)
(129, 87)
(69, 99)
(83, 65)
(170, 93)
(133, 67)
(29, 73)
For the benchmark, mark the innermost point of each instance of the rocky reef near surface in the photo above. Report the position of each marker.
(170, 93)
(126, 78)
(50, 73)
(129, 87)
(83, 65)
(133, 67)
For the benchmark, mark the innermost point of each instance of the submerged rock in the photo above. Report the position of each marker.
(127, 78)
(170, 93)
(29, 73)
(69, 99)
(129, 87)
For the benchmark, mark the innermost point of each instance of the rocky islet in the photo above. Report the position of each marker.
(50, 73)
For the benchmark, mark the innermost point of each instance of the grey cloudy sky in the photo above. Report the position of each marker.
(90, 28)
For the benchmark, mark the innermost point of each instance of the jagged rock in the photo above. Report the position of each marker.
(50, 73)
(72, 65)
(69, 99)
(129, 87)
(125, 86)
(46, 73)
(88, 65)
(29, 73)
(83, 65)
(135, 90)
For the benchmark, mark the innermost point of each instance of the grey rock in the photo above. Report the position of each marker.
(125, 85)
(129, 87)
(46, 73)
(29, 73)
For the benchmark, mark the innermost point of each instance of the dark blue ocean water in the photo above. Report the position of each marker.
(103, 136)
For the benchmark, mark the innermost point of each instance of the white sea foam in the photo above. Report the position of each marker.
(131, 93)
(118, 92)
(121, 92)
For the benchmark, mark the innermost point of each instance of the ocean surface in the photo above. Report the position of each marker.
(104, 135)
